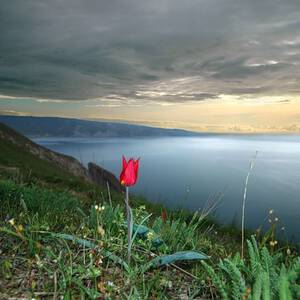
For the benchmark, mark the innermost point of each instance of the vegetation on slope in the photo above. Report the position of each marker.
(55, 244)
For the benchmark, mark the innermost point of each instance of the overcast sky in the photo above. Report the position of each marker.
(198, 64)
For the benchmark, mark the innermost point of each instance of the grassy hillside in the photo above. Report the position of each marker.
(17, 161)
(63, 238)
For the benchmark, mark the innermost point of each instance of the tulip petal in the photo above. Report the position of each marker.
(129, 172)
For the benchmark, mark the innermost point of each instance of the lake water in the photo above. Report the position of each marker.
(187, 171)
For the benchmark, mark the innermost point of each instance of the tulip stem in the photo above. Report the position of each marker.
(129, 222)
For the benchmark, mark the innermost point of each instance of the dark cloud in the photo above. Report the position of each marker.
(71, 49)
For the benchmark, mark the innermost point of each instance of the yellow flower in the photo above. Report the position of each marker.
(150, 235)
(20, 228)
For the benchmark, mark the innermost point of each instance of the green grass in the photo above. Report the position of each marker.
(38, 259)
(17, 162)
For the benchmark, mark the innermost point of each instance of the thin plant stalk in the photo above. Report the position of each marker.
(129, 222)
(108, 191)
(244, 202)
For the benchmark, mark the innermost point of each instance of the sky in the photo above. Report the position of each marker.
(203, 65)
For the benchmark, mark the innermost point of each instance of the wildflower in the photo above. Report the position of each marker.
(272, 244)
(150, 235)
(270, 221)
(283, 228)
(99, 261)
(276, 219)
(129, 172)
(20, 228)
(110, 283)
(288, 251)
(271, 211)
(101, 230)
(96, 207)
(101, 208)
(128, 177)
(11, 222)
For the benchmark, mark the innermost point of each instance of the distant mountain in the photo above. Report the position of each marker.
(64, 127)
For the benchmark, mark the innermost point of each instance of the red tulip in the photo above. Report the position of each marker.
(129, 172)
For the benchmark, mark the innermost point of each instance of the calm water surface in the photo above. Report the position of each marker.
(186, 172)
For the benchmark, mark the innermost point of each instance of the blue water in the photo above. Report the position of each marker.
(188, 172)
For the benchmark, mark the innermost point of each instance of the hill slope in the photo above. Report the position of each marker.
(21, 155)
(63, 127)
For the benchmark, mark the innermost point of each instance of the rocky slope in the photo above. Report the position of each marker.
(94, 173)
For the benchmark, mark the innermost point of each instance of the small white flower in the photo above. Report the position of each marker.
(271, 211)
(96, 207)
(110, 283)
(12, 221)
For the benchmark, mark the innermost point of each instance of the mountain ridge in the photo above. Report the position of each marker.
(67, 127)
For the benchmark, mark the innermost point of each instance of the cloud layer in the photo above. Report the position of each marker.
(161, 50)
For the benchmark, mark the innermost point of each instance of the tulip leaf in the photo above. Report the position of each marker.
(178, 256)
(141, 230)
(157, 242)
(90, 245)
(69, 237)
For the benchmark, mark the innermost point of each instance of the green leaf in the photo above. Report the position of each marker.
(140, 229)
(69, 237)
(157, 242)
(178, 256)
(91, 245)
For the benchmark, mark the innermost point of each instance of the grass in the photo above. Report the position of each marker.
(59, 243)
